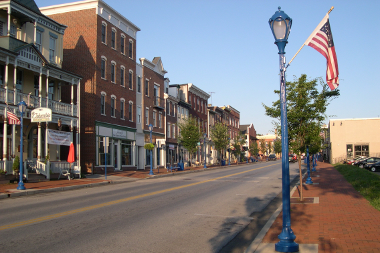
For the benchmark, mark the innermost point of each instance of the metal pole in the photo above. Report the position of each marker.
(314, 162)
(21, 183)
(287, 236)
(204, 147)
(151, 166)
(308, 180)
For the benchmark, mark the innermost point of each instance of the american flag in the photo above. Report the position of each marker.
(12, 118)
(321, 40)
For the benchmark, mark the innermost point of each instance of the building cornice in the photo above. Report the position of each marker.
(101, 8)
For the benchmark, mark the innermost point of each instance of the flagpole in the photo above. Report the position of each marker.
(332, 7)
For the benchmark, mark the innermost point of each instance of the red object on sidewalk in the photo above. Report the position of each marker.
(71, 157)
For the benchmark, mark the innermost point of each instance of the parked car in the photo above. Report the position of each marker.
(362, 162)
(272, 157)
(293, 158)
(370, 165)
(352, 160)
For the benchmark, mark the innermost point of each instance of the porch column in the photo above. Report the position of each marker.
(47, 89)
(5, 135)
(39, 144)
(40, 89)
(72, 97)
(46, 140)
(14, 83)
(9, 22)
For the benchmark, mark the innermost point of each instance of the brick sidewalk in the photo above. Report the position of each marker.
(342, 221)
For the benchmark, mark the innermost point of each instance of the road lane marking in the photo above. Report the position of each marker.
(83, 209)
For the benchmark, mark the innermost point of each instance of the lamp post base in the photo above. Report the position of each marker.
(21, 186)
(286, 243)
(309, 181)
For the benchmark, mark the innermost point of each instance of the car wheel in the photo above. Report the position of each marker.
(373, 169)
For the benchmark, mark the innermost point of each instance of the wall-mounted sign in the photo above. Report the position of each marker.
(41, 115)
(56, 137)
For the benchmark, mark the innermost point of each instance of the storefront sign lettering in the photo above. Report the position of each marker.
(41, 115)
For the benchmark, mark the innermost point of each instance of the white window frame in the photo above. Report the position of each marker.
(103, 59)
(104, 24)
(122, 75)
(113, 69)
(147, 116)
(160, 120)
(130, 79)
(138, 109)
(103, 106)
(154, 118)
(39, 40)
(113, 38)
(52, 49)
(130, 111)
(168, 130)
(173, 131)
(113, 110)
(122, 44)
(122, 108)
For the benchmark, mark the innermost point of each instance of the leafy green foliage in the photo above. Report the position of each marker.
(253, 149)
(190, 134)
(239, 141)
(365, 182)
(306, 107)
(16, 164)
(277, 146)
(149, 146)
(263, 147)
(220, 137)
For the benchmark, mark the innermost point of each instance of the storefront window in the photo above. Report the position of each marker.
(362, 150)
(101, 153)
(126, 153)
(147, 155)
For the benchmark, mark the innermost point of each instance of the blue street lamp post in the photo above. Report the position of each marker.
(21, 108)
(314, 162)
(308, 180)
(204, 147)
(280, 24)
(150, 152)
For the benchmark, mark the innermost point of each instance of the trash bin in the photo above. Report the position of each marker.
(223, 163)
(181, 166)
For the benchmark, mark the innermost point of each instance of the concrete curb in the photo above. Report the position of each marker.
(256, 243)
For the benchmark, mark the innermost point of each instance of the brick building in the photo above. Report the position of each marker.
(250, 137)
(150, 104)
(102, 50)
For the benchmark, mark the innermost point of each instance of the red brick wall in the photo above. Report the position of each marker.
(83, 50)
(196, 111)
(148, 101)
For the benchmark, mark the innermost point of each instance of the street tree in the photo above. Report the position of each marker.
(190, 135)
(220, 137)
(253, 149)
(239, 141)
(306, 107)
(277, 146)
(263, 147)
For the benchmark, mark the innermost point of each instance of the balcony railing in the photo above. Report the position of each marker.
(37, 102)
(159, 102)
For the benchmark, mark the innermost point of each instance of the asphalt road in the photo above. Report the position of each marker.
(196, 212)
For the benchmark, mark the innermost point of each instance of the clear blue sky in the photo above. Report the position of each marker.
(226, 47)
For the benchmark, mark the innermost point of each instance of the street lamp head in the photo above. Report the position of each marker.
(280, 24)
(22, 106)
(150, 127)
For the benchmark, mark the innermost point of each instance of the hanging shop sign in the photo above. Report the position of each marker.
(56, 137)
(41, 115)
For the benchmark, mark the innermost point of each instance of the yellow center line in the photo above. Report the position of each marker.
(83, 209)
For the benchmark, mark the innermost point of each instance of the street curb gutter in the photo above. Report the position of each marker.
(255, 244)
(20, 193)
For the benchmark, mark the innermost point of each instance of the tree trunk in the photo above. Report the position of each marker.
(300, 169)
